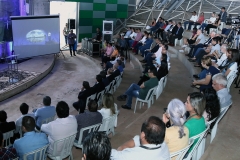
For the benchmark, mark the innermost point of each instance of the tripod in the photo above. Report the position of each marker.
(60, 53)
(235, 41)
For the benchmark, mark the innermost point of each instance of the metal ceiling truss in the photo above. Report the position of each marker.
(173, 9)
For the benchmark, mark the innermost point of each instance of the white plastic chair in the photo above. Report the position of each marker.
(89, 129)
(159, 88)
(198, 149)
(63, 148)
(230, 78)
(165, 81)
(38, 154)
(100, 97)
(178, 155)
(45, 121)
(147, 100)
(117, 83)
(108, 124)
(90, 98)
(214, 129)
(7, 136)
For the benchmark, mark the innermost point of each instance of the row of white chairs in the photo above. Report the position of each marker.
(156, 91)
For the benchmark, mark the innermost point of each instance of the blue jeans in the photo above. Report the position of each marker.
(66, 39)
(203, 26)
(197, 51)
(189, 25)
(132, 91)
(202, 75)
(130, 43)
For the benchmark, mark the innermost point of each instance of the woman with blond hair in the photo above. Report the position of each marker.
(108, 108)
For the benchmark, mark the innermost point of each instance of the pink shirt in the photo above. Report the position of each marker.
(139, 36)
(109, 51)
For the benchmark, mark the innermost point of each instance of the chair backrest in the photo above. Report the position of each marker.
(230, 78)
(89, 129)
(47, 120)
(180, 154)
(63, 147)
(195, 148)
(222, 113)
(108, 124)
(7, 136)
(38, 154)
(150, 94)
(210, 122)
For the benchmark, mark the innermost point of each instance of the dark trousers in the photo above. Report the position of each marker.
(200, 55)
(194, 49)
(173, 37)
(136, 48)
(66, 39)
(79, 106)
(207, 28)
(71, 47)
(143, 79)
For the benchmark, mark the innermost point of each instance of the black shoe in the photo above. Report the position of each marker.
(143, 61)
(74, 54)
(121, 98)
(196, 76)
(125, 107)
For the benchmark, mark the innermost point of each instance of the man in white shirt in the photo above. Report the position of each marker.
(192, 20)
(64, 126)
(219, 84)
(128, 33)
(24, 110)
(149, 145)
(222, 59)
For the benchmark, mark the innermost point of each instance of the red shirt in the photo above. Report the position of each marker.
(200, 19)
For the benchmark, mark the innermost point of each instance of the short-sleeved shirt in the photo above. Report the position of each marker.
(151, 83)
(215, 48)
(44, 113)
(153, 152)
(194, 18)
(202, 39)
(211, 71)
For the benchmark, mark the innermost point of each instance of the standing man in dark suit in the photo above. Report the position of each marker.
(177, 33)
(223, 15)
(71, 42)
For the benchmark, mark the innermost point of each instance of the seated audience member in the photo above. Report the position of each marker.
(150, 57)
(99, 85)
(96, 141)
(31, 140)
(148, 145)
(191, 22)
(219, 83)
(200, 20)
(116, 71)
(146, 45)
(177, 34)
(199, 43)
(212, 107)
(110, 75)
(208, 52)
(88, 118)
(106, 55)
(210, 21)
(128, 33)
(161, 72)
(141, 42)
(6, 153)
(132, 37)
(167, 30)
(171, 30)
(24, 110)
(137, 39)
(157, 25)
(84, 93)
(4, 125)
(111, 63)
(160, 30)
(64, 126)
(195, 105)
(108, 108)
(177, 134)
(44, 112)
(149, 53)
(153, 23)
(234, 62)
(140, 91)
(120, 66)
(222, 59)
(205, 81)
(114, 54)
(216, 24)
(192, 40)
(104, 78)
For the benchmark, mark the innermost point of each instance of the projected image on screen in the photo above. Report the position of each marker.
(36, 35)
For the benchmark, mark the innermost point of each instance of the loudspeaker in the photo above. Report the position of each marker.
(71, 23)
(108, 26)
(107, 37)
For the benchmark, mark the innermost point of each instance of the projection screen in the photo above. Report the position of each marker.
(35, 35)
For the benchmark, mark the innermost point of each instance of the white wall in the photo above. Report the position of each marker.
(67, 10)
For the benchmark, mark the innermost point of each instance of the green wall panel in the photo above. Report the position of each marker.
(81, 36)
(121, 14)
(86, 14)
(99, 7)
(112, 1)
(111, 14)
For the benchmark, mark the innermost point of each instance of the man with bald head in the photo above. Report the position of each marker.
(148, 145)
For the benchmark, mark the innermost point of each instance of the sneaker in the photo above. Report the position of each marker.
(125, 107)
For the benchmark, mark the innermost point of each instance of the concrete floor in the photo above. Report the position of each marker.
(64, 83)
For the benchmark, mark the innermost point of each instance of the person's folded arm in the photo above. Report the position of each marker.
(204, 81)
(128, 144)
